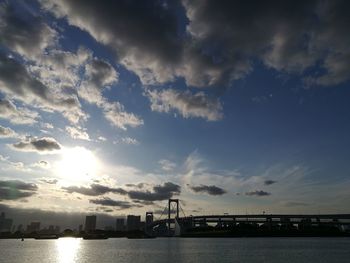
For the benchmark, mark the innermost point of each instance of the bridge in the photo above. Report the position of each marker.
(178, 225)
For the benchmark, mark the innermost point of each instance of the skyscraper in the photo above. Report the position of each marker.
(90, 223)
(133, 222)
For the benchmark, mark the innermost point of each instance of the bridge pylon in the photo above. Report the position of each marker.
(170, 201)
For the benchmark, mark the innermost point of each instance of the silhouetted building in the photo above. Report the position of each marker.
(120, 224)
(90, 223)
(80, 228)
(133, 222)
(2, 218)
(57, 229)
(5, 223)
(33, 227)
(149, 218)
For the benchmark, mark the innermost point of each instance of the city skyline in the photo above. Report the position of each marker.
(112, 109)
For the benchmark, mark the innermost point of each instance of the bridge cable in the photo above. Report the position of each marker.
(182, 209)
(160, 217)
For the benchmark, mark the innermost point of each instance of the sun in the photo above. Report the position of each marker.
(78, 164)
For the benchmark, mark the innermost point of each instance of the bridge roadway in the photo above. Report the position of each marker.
(329, 219)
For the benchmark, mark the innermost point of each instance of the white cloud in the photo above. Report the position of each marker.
(77, 133)
(186, 103)
(167, 165)
(6, 132)
(17, 115)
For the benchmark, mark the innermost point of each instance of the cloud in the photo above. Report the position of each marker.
(257, 193)
(49, 180)
(186, 103)
(15, 189)
(41, 74)
(102, 139)
(77, 133)
(110, 202)
(94, 190)
(269, 182)
(42, 164)
(143, 35)
(16, 115)
(167, 165)
(16, 165)
(40, 145)
(116, 115)
(24, 33)
(18, 82)
(159, 193)
(209, 189)
(99, 75)
(220, 41)
(129, 140)
(6, 132)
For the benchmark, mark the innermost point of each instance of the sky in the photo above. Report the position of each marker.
(113, 107)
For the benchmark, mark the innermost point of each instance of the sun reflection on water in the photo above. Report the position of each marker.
(67, 249)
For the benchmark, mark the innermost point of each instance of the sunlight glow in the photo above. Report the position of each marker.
(67, 249)
(77, 164)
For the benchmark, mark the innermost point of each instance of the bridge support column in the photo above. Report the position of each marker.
(176, 201)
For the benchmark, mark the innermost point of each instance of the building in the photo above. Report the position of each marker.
(90, 223)
(120, 224)
(33, 227)
(5, 223)
(149, 218)
(133, 222)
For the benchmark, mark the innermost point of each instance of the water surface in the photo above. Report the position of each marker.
(68, 250)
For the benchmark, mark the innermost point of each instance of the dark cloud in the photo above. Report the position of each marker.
(94, 190)
(110, 202)
(44, 144)
(269, 182)
(257, 193)
(15, 189)
(24, 33)
(221, 39)
(209, 189)
(139, 185)
(159, 193)
(49, 180)
(144, 35)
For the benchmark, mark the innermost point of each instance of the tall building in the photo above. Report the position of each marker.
(133, 222)
(149, 218)
(2, 218)
(90, 223)
(120, 224)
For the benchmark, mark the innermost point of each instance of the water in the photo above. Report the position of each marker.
(67, 250)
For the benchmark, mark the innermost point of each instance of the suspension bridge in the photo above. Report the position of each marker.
(174, 222)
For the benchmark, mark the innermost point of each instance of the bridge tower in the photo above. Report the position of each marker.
(170, 201)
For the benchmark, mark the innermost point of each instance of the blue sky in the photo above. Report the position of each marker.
(115, 107)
